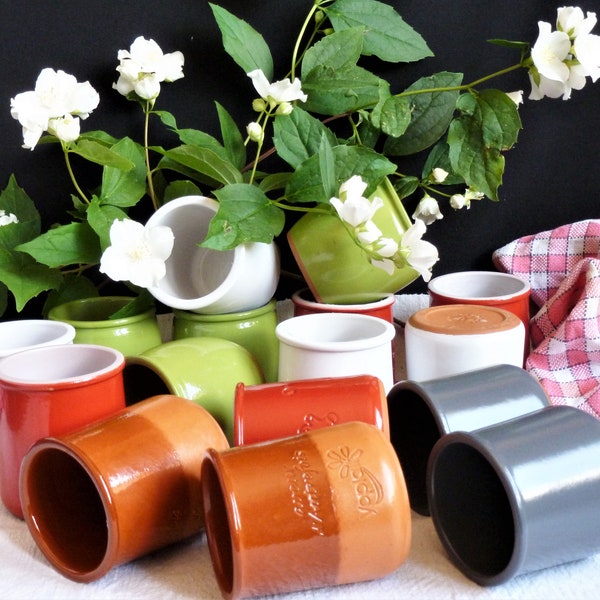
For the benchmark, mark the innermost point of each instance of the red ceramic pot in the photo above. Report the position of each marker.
(50, 391)
(276, 410)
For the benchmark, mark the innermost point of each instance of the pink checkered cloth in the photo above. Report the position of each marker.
(563, 269)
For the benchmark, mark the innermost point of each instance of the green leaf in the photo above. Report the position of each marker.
(439, 157)
(431, 114)
(406, 186)
(335, 91)
(3, 298)
(99, 136)
(339, 50)
(125, 188)
(392, 116)
(100, 154)
(15, 200)
(180, 188)
(274, 181)
(25, 278)
(243, 43)
(298, 136)
(204, 162)
(387, 35)
(232, 138)
(73, 287)
(327, 168)
(167, 118)
(488, 124)
(100, 217)
(245, 214)
(306, 184)
(522, 46)
(72, 244)
(141, 303)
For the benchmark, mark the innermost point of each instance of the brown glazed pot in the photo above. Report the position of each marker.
(321, 508)
(120, 488)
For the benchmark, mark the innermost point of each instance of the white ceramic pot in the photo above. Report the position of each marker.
(211, 281)
(335, 345)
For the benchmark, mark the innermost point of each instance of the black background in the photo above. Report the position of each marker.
(551, 177)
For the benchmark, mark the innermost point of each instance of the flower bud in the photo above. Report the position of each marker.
(255, 131)
(285, 108)
(259, 105)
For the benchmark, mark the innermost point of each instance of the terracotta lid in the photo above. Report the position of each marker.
(463, 319)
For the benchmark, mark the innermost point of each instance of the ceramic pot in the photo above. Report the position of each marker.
(211, 281)
(518, 496)
(322, 508)
(204, 369)
(120, 488)
(421, 413)
(252, 329)
(276, 410)
(336, 270)
(16, 336)
(487, 288)
(90, 317)
(50, 391)
(335, 345)
(446, 340)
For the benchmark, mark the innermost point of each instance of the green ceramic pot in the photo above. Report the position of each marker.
(90, 317)
(336, 270)
(252, 329)
(205, 370)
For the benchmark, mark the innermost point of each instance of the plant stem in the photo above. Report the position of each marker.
(296, 51)
(465, 86)
(151, 192)
(72, 175)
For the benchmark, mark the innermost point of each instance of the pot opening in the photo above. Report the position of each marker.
(141, 382)
(472, 511)
(413, 433)
(67, 512)
(218, 532)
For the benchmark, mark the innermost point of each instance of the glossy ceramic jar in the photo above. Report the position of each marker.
(252, 329)
(119, 488)
(322, 508)
(336, 270)
(93, 325)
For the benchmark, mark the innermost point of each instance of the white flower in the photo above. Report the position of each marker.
(422, 255)
(368, 233)
(57, 96)
(587, 52)
(65, 128)
(548, 87)
(7, 219)
(550, 51)
(385, 263)
(137, 253)
(428, 210)
(351, 206)
(439, 175)
(458, 201)
(516, 96)
(278, 91)
(145, 66)
(254, 131)
(572, 21)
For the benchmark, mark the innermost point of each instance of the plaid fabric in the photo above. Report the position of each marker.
(545, 259)
(563, 268)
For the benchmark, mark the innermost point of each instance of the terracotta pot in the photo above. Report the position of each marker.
(52, 390)
(322, 508)
(90, 317)
(276, 410)
(335, 268)
(120, 488)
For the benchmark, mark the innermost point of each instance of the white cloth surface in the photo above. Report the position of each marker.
(184, 570)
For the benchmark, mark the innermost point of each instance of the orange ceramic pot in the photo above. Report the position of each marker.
(276, 410)
(52, 390)
(322, 508)
(120, 488)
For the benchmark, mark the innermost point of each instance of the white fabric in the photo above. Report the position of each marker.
(185, 571)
